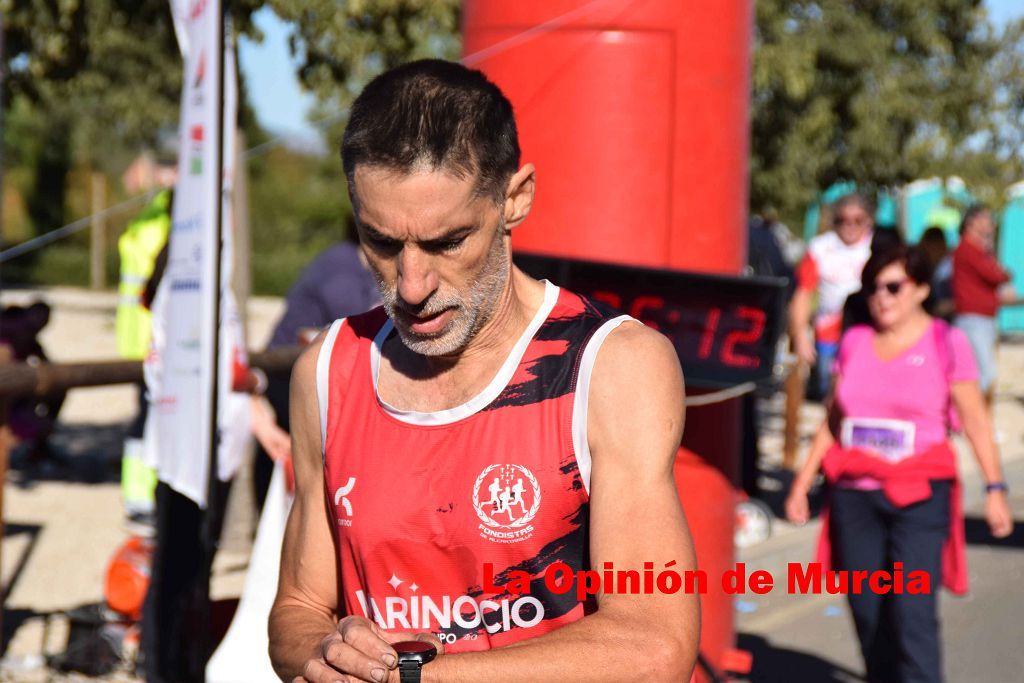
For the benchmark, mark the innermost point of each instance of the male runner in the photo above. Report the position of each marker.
(480, 417)
(830, 270)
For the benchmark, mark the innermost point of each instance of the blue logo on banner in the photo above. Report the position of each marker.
(191, 284)
(190, 223)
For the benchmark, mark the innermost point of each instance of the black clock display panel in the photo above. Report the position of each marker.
(724, 328)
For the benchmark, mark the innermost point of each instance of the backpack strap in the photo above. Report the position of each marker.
(940, 332)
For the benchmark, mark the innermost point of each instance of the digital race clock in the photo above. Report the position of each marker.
(724, 328)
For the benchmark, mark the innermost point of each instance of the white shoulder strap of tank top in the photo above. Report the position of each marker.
(580, 444)
(323, 374)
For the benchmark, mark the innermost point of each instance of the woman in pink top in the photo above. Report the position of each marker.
(885, 452)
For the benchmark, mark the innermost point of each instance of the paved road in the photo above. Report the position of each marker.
(811, 638)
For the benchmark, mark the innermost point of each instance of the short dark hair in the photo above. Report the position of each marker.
(933, 243)
(884, 239)
(436, 113)
(913, 259)
(972, 212)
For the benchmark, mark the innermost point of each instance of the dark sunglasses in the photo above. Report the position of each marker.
(892, 287)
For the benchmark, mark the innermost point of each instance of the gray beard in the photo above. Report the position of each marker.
(470, 315)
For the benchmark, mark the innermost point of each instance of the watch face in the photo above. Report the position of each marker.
(415, 651)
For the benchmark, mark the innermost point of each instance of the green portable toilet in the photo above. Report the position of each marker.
(1011, 254)
(887, 213)
(920, 198)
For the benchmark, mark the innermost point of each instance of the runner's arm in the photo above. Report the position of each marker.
(799, 322)
(797, 508)
(990, 270)
(304, 611)
(800, 308)
(974, 415)
(635, 427)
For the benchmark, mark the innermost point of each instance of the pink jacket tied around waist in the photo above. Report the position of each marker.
(904, 483)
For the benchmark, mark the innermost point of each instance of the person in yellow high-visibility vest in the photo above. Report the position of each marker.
(138, 247)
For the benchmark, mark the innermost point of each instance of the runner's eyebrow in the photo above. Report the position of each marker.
(375, 234)
(452, 235)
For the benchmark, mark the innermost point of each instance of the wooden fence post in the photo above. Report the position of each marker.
(794, 387)
(98, 233)
(6, 439)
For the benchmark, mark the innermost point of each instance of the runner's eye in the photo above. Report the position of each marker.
(445, 246)
(383, 244)
(892, 287)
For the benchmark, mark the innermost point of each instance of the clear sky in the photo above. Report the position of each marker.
(282, 106)
(1002, 11)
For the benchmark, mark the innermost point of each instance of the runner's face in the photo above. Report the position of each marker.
(440, 254)
(888, 309)
(982, 231)
(852, 223)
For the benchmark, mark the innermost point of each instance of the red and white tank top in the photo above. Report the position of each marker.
(421, 501)
(833, 268)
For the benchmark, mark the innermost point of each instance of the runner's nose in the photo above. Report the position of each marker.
(416, 277)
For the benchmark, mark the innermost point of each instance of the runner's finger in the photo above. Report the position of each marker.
(360, 653)
(368, 638)
(316, 671)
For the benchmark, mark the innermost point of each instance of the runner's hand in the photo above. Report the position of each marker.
(804, 349)
(275, 441)
(997, 514)
(798, 511)
(361, 651)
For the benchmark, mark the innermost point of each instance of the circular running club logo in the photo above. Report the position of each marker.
(506, 496)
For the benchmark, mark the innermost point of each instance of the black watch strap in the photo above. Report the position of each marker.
(409, 672)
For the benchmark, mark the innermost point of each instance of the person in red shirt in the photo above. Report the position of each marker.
(979, 285)
(480, 426)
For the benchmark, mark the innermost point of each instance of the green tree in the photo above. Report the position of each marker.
(96, 81)
(297, 208)
(110, 68)
(298, 202)
(878, 91)
(345, 44)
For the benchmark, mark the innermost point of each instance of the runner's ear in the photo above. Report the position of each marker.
(519, 195)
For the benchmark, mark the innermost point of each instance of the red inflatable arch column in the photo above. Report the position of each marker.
(635, 113)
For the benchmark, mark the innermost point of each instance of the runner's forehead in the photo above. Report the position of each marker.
(893, 271)
(422, 205)
(852, 212)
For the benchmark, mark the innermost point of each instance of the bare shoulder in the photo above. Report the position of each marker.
(636, 394)
(635, 358)
(304, 370)
(305, 407)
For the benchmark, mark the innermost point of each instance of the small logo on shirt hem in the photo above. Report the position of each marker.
(340, 498)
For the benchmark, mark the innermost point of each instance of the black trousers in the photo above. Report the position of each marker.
(138, 425)
(899, 634)
(173, 643)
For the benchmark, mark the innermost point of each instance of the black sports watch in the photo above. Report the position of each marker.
(412, 655)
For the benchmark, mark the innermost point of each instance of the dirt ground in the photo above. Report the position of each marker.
(64, 520)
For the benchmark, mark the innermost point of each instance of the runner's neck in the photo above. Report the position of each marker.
(410, 381)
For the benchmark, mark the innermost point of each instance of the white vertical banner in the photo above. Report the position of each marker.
(180, 10)
(179, 368)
